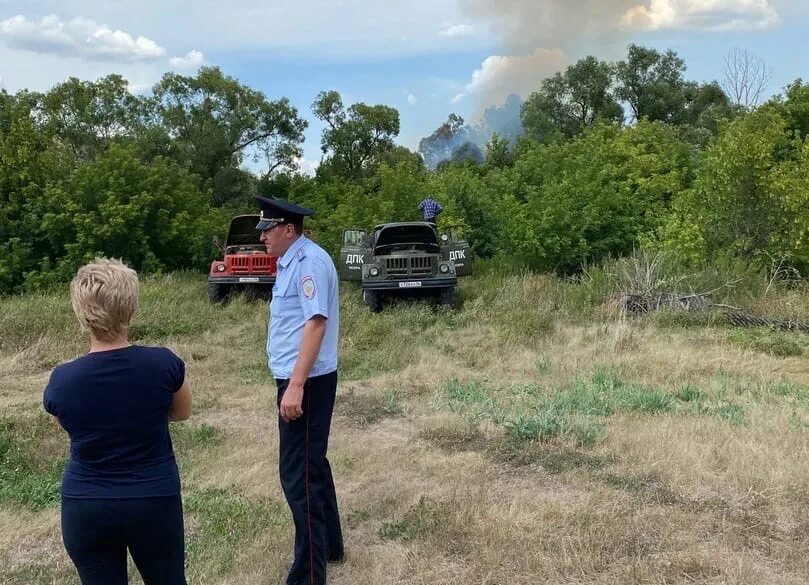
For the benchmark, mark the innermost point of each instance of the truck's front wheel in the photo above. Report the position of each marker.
(448, 297)
(217, 292)
(373, 299)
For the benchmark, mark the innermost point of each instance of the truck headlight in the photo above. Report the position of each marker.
(444, 268)
(220, 268)
(373, 271)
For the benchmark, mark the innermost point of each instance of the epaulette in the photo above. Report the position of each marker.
(300, 254)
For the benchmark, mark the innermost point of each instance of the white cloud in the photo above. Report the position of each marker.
(411, 99)
(457, 30)
(499, 77)
(79, 37)
(307, 166)
(192, 61)
(708, 15)
(370, 29)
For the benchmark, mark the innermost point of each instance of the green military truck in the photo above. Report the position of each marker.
(404, 259)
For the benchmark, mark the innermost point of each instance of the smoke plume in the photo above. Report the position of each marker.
(547, 34)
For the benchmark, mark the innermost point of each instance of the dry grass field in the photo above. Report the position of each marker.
(533, 435)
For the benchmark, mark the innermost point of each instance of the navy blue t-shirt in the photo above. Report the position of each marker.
(115, 407)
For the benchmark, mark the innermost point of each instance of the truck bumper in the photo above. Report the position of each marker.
(410, 285)
(265, 280)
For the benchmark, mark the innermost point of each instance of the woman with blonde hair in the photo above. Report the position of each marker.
(121, 486)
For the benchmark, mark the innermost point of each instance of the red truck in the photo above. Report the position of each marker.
(245, 264)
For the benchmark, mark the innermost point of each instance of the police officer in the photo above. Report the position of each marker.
(302, 352)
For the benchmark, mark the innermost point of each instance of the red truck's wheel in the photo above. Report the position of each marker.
(218, 292)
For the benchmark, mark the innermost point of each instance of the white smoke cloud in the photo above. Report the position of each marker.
(540, 37)
(707, 15)
(79, 37)
(525, 25)
(501, 76)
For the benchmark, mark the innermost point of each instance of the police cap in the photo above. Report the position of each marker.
(277, 211)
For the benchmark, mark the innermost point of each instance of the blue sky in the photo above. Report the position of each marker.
(427, 58)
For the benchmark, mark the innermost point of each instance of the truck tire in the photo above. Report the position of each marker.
(448, 297)
(217, 292)
(373, 299)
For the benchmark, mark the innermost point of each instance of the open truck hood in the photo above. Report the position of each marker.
(243, 231)
(405, 236)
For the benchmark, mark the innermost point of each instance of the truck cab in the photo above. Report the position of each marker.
(244, 263)
(404, 258)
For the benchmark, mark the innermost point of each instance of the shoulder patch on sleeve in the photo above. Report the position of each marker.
(308, 287)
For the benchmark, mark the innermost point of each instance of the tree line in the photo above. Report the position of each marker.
(601, 159)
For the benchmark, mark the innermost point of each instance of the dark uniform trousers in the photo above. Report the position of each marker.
(307, 481)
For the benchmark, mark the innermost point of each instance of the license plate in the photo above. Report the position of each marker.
(414, 284)
(248, 279)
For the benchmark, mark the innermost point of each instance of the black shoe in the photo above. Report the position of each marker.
(337, 559)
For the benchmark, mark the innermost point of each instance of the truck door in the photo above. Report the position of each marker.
(455, 248)
(352, 254)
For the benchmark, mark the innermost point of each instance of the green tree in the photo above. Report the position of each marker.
(653, 84)
(467, 201)
(215, 122)
(498, 153)
(598, 194)
(154, 216)
(733, 207)
(30, 159)
(794, 107)
(89, 115)
(567, 103)
(355, 138)
(789, 182)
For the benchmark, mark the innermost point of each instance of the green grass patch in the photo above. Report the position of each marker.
(171, 306)
(24, 320)
(64, 574)
(470, 395)
(176, 306)
(521, 325)
(544, 425)
(689, 394)
(576, 411)
(191, 438)
(33, 453)
(732, 413)
(775, 343)
(785, 389)
(226, 522)
(373, 343)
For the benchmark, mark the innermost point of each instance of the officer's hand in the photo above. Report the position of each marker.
(292, 402)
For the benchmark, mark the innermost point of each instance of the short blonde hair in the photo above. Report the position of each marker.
(104, 295)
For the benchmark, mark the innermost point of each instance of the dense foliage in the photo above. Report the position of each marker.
(613, 156)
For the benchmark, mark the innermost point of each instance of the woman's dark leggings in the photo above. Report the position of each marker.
(97, 534)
